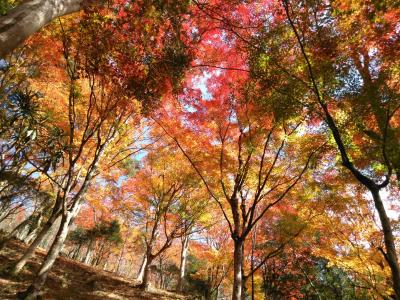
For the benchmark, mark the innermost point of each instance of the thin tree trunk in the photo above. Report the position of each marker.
(77, 251)
(161, 273)
(32, 234)
(237, 270)
(253, 245)
(106, 261)
(31, 249)
(100, 254)
(121, 255)
(36, 287)
(19, 227)
(88, 252)
(391, 254)
(29, 17)
(182, 267)
(15, 231)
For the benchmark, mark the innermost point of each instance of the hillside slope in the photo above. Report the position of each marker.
(70, 280)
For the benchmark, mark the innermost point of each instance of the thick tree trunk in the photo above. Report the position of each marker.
(237, 270)
(29, 17)
(140, 275)
(31, 249)
(146, 274)
(391, 254)
(146, 271)
(182, 267)
(35, 289)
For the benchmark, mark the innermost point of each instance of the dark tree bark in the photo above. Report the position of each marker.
(390, 255)
(237, 269)
(29, 17)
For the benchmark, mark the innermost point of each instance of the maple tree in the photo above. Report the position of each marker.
(99, 118)
(245, 150)
(337, 78)
(163, 204)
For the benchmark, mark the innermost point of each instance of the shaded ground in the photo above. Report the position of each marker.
(70, 280)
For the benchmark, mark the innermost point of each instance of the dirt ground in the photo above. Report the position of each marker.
(70, 280)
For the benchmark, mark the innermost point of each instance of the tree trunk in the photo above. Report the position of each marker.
(391, 254)
(32, 234)
(106, 261)
(20, 227)
(244, 283)
(36, 287)
(146, 272)
(182, 266)
(142, 267)
(237, 269)
(29, 17)
(253, 245)
(208, 294)
(75, 255)
(15, 232)
(160, 270)
(31, 249)
(100, 254)
(121, 255)
(88, 252)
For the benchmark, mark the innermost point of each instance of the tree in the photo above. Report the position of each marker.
(30, 16)
(97, 121)
(241, 159)
(101, 115)
(211, 261)
(347, 84)
(163, 197)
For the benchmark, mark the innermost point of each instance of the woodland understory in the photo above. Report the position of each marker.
(200, 149)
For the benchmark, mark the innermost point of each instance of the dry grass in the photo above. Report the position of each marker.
(70, 280)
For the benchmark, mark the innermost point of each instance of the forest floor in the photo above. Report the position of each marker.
(70, 280)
